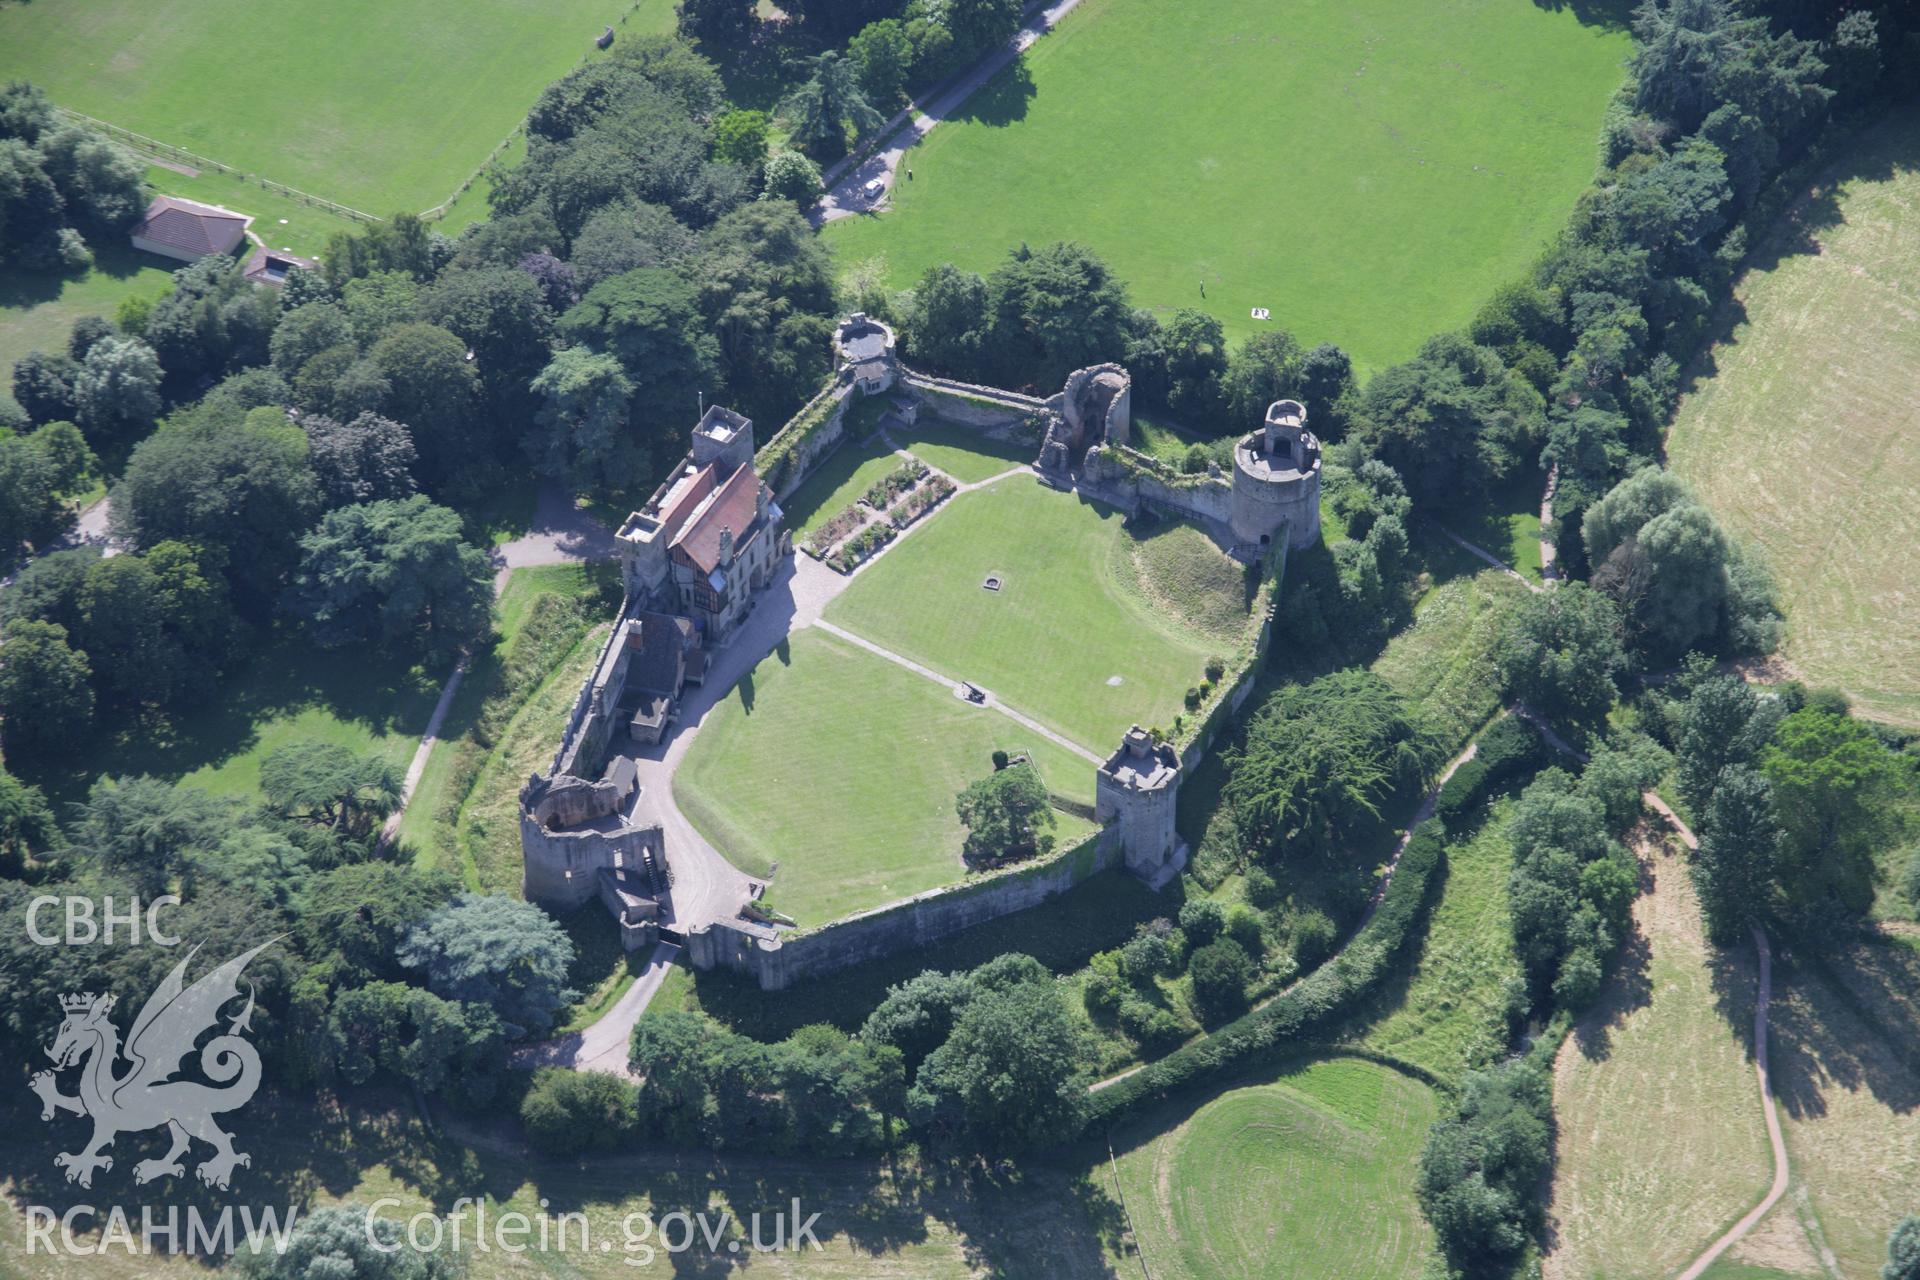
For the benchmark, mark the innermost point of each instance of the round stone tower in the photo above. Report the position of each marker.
(1276, 480)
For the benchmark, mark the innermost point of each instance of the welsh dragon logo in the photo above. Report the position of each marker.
(146, 1096)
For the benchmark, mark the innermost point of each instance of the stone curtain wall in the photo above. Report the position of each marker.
(791, 454)
(778, 961)
(585, 726)
(987, 409)
(1206, 722)
(1135, 479)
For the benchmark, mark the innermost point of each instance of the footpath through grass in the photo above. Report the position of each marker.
(538, 619)
(1309, 1177)
(381, 106)
(1842, 1047)
(1661, 1143)
(1801, 435)
(842, 768)
(1368, 170)
(1069, 638)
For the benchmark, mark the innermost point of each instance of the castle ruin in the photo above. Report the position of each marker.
(711, 537)
(692, 559)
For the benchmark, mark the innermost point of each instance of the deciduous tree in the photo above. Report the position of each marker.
(395, 573)
(46, 693)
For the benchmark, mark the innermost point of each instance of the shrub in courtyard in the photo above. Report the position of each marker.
(1007, 815)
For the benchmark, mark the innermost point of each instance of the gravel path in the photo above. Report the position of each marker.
(561, 533)
(1549, 554)
(1484, 554)
(949, 683)
(603, 1046)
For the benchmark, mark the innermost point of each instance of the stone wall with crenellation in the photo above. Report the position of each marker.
(778, 960)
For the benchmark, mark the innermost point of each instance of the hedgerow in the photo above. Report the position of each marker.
(1313, 1005)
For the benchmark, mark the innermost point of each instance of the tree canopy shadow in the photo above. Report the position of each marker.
(1003, 100)
(1845, 1018)
(1612, 15)
(22, 288)
(1878, 154)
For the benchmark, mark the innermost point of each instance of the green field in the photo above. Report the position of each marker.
(1801, 437)
(1308, 1177)
(1085, 635)
(1448, 1013)
(382, 107)
(1368, 170)
(842, 768)
(1444, 662)
(966, 455)
(285, 691)
(1841, 1048)
(1661, 1145)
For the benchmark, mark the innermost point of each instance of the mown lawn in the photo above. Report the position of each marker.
(841, 768)
(1069, 639)
(379, 106)
(38, 308)
(1367, 170)
(1309, 1177)
(966, 455)
(1844, 1025)
(837, 483)
(1800, 434)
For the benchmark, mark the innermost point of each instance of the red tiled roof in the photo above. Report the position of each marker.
(681, 505)
(733, 507)
(191, 227)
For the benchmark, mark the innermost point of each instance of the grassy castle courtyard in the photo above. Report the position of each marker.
(834, 768)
